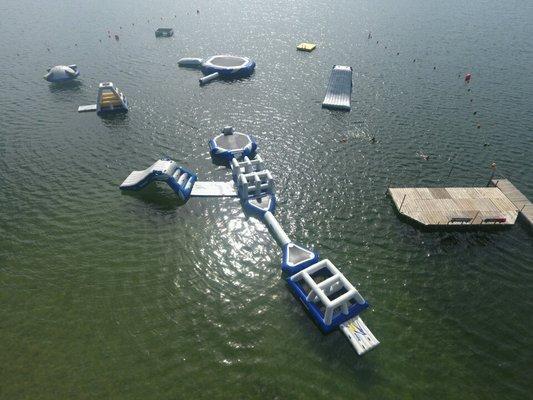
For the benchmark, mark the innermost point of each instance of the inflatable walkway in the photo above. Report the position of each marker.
(339, 91)
(327, 295)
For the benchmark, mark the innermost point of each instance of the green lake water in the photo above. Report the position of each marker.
(105, 295)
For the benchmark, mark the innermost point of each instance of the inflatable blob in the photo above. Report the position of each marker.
(62, 73)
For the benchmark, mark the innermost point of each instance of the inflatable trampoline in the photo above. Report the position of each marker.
(220, 66)
(230, 144)
(62, 73)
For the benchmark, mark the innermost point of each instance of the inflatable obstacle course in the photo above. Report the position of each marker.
(220, 66)
(62, 73)
(327, 295)
(109, 100)
(339, 91)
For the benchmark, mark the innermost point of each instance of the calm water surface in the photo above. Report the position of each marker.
(106, 295)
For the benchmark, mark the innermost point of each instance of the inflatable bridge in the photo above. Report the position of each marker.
(327, 295)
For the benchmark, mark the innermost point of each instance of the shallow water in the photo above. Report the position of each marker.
(111, 295)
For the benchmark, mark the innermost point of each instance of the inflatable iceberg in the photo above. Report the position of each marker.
(62, 73)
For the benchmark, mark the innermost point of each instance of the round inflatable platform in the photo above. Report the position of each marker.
(228, 66)
(230, 144)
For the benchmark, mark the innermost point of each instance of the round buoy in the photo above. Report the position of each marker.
(467, 77)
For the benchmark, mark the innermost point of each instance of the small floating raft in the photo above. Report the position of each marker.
(164, 32)
(306, 47)
(339, 91)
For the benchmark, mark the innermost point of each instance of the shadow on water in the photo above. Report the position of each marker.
(156, 196)
(337, 350)
(70, 86)
(114, 119)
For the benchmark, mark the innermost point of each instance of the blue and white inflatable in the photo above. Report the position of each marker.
(62, 73)
(331, 300)
(180, 179)
(326, 293)
(220, 66)
(229, 145)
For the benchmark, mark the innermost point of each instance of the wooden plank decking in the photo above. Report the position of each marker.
(520, 201)
(455, 206)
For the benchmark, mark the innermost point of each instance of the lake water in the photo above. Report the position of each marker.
(106, 295)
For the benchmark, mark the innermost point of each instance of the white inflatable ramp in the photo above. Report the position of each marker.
(88, 108)
(214, 189)
(359, 335)
(339, 91)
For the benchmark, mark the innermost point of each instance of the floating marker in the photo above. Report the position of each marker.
(306, 47)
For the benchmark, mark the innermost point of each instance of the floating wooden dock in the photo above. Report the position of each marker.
(520, 201)
(455, 206)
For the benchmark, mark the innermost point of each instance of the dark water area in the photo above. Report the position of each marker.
(108, 295)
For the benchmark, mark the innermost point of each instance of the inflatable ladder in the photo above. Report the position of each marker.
(110, 99)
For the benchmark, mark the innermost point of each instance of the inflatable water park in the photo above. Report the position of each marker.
(220, 67)
(326, 294)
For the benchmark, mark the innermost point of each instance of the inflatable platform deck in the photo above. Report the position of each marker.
(339, 91)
